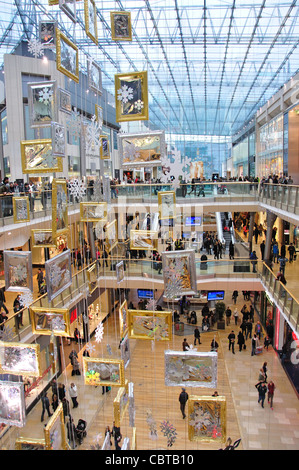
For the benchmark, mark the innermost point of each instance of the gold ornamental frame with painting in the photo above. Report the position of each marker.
(62, 64)
(88, 217)
(207, 419)
(26, 443)
(165, 214)
(49, 243)
(92, 378)
(146, 330)
(121, 34)
(25, 201)
(91, 29)
(59, 193)
(111, 241)
(35, 152)
(136, 107)
(56, 427)
(149, 237)
(119, 406)
(37, 312)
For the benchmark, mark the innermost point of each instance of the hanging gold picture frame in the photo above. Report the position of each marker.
(37, 157)
(167, 205)
(42, 238)
(111, 235)
(207, 419)
(143, 240)
(92, 277)
(93, 211)
(150, 325)
(123, 319)
(121, 26)
(131, 96)
(21, 212)
(26, 443)
(59, 207)
(104, 147)
(67, 56)
(48, 321)
(90, 15)
(105, 372)
(54, 431)
(121, 403)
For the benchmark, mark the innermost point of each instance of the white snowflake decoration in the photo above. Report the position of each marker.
(99, 332)
(45, 95)
(58, 139)
(55, 275)
(50, 159)
(124, 94)
(35, 48)
(77, 188)
(151, 305)
(26, 299)
(21, 209)
(139, 105)
(92, 137)
(97, 191)
(58, 323)
(74, 125)
(6, 334)
(90, 348)
(19, 272)
(174, 171)
(191, 348)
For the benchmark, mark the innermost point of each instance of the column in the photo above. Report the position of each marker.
(271, 217)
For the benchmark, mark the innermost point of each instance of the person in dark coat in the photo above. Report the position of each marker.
(183, 398)
(241, 340)
(196, 336)
(46, 406)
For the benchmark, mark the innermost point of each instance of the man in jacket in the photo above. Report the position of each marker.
(183, 398)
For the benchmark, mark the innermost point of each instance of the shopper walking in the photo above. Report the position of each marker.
(183, 398)
(253, 344)
(46, 406)
(185, 345)
(231, 341)
(74, 394)
(271, 388)
(196, 335)
(236, 316)
(262, 389)
(241, 340)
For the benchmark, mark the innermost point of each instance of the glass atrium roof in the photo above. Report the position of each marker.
(211, 63)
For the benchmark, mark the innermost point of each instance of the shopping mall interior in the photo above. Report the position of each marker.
(149, 225)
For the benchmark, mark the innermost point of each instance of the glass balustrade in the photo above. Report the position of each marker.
(147, 268)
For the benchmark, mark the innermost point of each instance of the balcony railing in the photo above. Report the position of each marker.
(142, 268)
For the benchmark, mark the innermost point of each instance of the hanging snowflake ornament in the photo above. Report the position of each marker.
(109, 350)
(74, 125)
(174, 169)
(151, 305)
(139, 105)
(26, 299)
(77, 188)
(125, 94)
(58, 323)
(93, 131)
(131, 153)
(35, 48)
(45, 96)
(99, 332)
(191, 348)
(90, 348)
(7, 334)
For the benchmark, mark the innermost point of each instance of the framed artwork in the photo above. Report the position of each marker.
(207, 419)
(58, 274)
(150, 325)
(21, 211)
(42, 238)
(47, 32)
(92, 277)
(20, 359)
(26, 443)
(125, 351)
(59, 207)
(143, 240)
(42, 103)
(69, 8)
(179, 272)
(90, 15)
(48, 321)
(106, 372)
(191, 369)
(99, 114)
(120, 272)
(18, 271)
(167, 204)
(64, 101)
(104, 148)
(123, 319)
(93, 211)
(111, 235)
(141, 149)
(94, 76)
(55, 435)
(37, 157)
(67, 56)
(58, 139)
(121, 27)
(12, 403)
(120, 404)
(131, 96)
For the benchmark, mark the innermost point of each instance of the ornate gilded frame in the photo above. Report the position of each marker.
(54, 427)
(59, 207)
(89, 206)
(90, 7)
(41, 150)
(16, 209)
(136, 142)
(148, 240)
(121, 404)
(38, 314)
(134, 108)
(164, 212)
(63, 41)
(150, 325)
(50, 243)
(104, 147)
(207, 419)
(92, 377)
(116, 33)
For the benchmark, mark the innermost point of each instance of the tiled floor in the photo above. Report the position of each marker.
(259, 428)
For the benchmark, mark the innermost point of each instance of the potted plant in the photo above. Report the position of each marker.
(219, 310)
